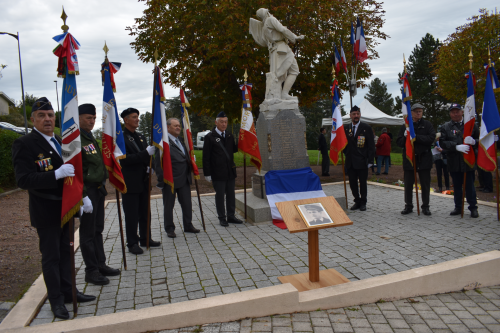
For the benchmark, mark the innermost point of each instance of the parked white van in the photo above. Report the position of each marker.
(200, 137)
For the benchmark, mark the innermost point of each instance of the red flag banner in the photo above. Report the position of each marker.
(188, 136)
(248, 143)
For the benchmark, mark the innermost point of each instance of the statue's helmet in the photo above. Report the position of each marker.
(262, 13)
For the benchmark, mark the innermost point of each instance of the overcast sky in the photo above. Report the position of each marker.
(92, 22)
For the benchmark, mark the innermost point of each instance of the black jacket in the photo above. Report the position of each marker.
(215, 162)
(45, 192)
(181, 165)
(360, 149)
(134, 165)
(322, 144)
(451, 136)
(425, 136)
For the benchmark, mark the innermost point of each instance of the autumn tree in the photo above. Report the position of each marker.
(452, 60)
(205, 46)
(379, 97)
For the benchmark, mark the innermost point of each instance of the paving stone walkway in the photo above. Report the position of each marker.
(243, 257)
(5, 307)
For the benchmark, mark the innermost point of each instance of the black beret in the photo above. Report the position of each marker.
(41, 104)
(86, 109)
(221, 115)
(355, 108)
(128, 111)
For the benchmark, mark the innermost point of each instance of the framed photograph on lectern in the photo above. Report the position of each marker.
(314, 214)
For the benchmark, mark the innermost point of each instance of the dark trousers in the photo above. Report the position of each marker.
(325, 164)
(442, 168)
(184, 194)
(56, 266)
(362, 176)
(135, 206)
(470, 190)
(424, 176)
(381, 159)
(91, 227)
(224, 188)
(486, 179)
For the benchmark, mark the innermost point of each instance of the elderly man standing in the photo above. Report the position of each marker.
(456, 145)
(424, 137)
(40, 169)
(359, 152)
(181, 168)
(219, 168)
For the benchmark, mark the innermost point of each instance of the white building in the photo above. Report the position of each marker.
(5, 103)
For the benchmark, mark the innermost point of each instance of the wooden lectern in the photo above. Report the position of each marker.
(295, 223)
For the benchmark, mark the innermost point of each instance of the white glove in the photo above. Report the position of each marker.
(151, 150)
(152, 171)
(87, 205)
(406, 133)
(469, 140)
(208, 178)
(370, 165)
(65, 170)
(81, 211)
(496, 137)
(463, 148)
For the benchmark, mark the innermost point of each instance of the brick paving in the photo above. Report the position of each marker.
(244, 257)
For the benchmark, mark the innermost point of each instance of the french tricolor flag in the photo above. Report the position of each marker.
(287, 185)
(490, 122)
(406, 110)
(469, 119)
(337, 59)
(360, 49)
(338, 139)
(342, 57)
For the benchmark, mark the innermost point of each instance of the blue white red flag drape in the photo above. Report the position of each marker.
(338, 140)
(71, 142)
(160, 131)
(337, 61)
(247, 142)
(188, 136)
(469, 119)
(113, 142)
(342, 57)
(360, 50)
(406, 109)
(287, 185)
(113, 68)
(490, 122)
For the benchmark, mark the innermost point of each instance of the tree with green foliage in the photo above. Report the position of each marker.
(314, 115)
(145, 122)
(379, 97)
(205, 46)
(423, 82)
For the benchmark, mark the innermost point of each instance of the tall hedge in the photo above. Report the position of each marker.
(7, 176)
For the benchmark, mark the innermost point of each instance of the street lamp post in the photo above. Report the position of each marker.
(21, 72)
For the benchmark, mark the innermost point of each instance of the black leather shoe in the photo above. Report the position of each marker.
(60, 312)
(96, 278)
(456, 211)
(234, 220)
(385, 173)
(355, 206)
(152, 243)
(192, 229)
(474, 213)
(224, 223)
(108, 271)
(171, 234)
(487, 190)
(378, 174)
(407, 210)
(362, 208)
(426, 211)
(440, 190)
(80, 298)
(135, 249)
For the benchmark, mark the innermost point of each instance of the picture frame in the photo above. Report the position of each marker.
(314, 214)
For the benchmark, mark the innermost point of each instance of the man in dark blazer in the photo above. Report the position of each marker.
(359, 152)
(219, 168)
(324, 149)
(40, 169)
(135, 173)
(181, 169)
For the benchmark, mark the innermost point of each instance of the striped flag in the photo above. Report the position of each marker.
(71, 144)
(337, 60)
(352, 40)
(338, 140)
(490, 122)
(113, 142)
(188, 136)
(469, 119)
(160, 132)
(406, 108)
(248, 143)
(360, 50)
(113, 68)
(342, 57)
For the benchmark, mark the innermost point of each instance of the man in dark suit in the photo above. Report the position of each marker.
(181, 169)
(323, 147)
(40, 170)
(219, 167)
(359, 152)
(135, 173)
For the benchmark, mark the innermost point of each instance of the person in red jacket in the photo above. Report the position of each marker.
(383, 151)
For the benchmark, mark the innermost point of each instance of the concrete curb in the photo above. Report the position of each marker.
(10, 192)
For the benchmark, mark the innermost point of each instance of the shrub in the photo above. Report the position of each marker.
(7, 176)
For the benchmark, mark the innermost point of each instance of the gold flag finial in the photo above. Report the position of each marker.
(105, 48)
(156, 56)
(333, 71)
(64, 27)
(245, 76)
(470, 58)
(404, 62)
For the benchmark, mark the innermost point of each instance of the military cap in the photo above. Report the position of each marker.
(128, 111)
(417, 106)
(41, 104)
(221, 115)
(355, 108)
(313, 207)
(455, 106)
(86, 109)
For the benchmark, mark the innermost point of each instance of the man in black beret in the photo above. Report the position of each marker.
(94, 193)
(219, 168)
(40, 169)
(359, 152)
(135, 173)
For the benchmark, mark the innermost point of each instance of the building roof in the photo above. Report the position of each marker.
(7, 99)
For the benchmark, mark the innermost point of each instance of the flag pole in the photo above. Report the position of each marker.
(199, 203)
(121, 228)
(345, 187)
(245, 166)
(498, 200)
(72, 263)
